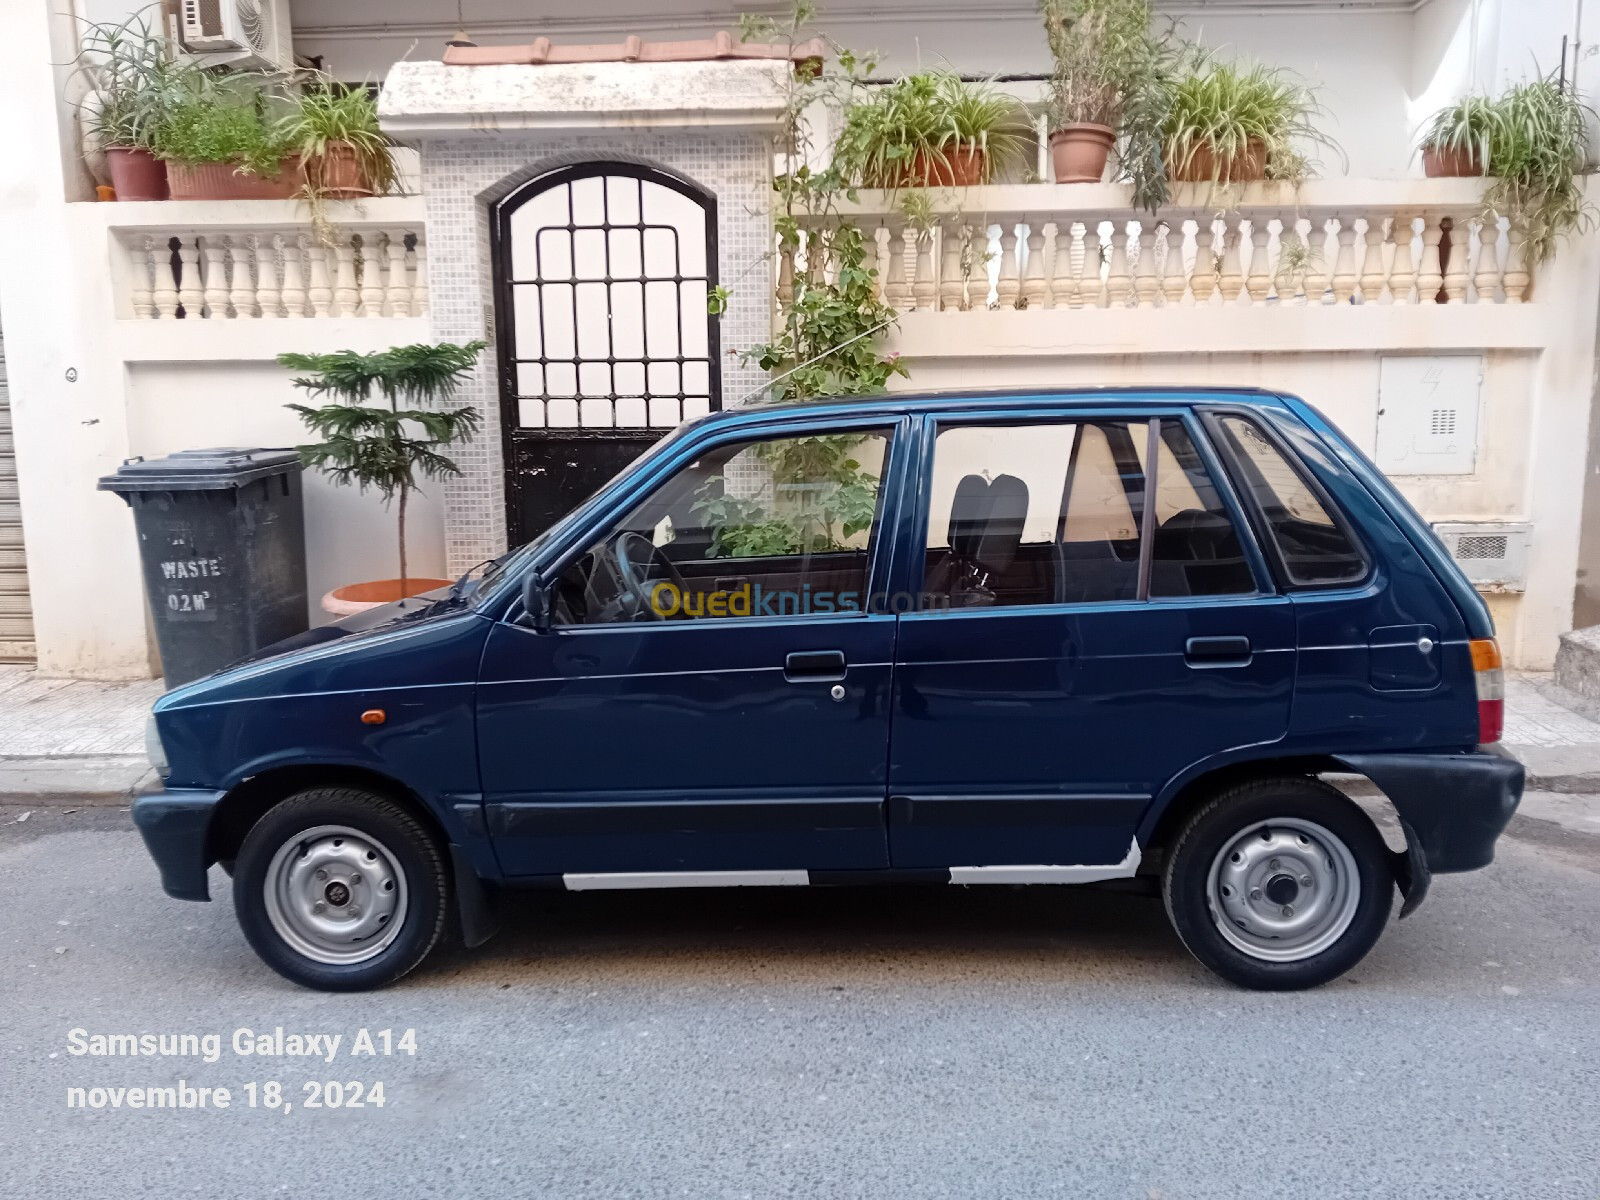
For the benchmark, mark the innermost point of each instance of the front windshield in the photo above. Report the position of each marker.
(512, 563)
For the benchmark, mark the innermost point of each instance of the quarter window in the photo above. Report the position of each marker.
(1312, 546)
(777, 527)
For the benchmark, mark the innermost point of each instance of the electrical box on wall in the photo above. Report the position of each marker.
(1493, 555)
(1428, 414)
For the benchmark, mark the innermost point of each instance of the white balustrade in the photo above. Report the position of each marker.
(1049, 247)
(273, 273)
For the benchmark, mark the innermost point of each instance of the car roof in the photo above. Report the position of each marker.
(895, 403)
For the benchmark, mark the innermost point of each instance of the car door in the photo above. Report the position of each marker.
(1383, 656)
(709, 701)
(1095, 618)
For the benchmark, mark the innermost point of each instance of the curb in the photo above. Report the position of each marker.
(55, 782)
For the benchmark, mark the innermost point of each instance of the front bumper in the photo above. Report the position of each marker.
(174, 823)
(1452, 806)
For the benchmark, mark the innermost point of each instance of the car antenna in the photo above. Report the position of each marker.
(749, 396)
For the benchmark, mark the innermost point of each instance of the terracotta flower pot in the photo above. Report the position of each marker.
(337, 173)
(220, 181)
(1453, 163)
(962, 166)
(1078, 152)
(136, 174)
(1203, 167)
(359, 597)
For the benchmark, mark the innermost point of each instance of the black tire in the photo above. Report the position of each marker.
(1218, 825)
(412, 859)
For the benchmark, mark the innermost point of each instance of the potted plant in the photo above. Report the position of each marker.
(1458, 138)
(132, 76)
(988, 131)
(1537, 150)
(1232, 123)
(1106, 58)
(931, 129)
(335, 131)
(895, 138)
(385, 446)
(221, 142)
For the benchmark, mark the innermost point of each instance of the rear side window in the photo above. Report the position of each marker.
(1313, 547)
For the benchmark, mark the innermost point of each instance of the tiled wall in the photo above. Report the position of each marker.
(463, 175)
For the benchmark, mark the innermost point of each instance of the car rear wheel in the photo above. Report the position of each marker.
(340, 890)
(1279, 884)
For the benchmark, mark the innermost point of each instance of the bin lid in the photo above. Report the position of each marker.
(200, 470)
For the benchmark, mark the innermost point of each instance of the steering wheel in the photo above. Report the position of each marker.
(635, 555)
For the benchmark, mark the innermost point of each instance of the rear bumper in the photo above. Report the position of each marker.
(173, 823)
(1453, 806)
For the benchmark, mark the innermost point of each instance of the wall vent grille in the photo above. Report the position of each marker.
(1493, 555)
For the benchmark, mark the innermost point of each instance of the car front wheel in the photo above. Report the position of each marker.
(1279, 884)
(340, 890)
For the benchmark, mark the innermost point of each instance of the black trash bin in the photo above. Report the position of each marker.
(222, 537)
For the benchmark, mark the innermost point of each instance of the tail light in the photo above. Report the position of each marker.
(1491, 681)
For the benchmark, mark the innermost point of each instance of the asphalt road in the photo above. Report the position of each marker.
(813, 1043)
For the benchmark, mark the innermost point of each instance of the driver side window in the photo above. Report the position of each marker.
(775, 527)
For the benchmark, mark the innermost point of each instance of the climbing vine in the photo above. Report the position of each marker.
(831, 322)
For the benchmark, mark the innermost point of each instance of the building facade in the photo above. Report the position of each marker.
(1467, 374)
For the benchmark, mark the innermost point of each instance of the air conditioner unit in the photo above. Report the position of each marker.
(1492, 554)
(251, 34)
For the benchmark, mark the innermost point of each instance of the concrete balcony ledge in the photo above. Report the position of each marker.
(154, 215)
(1314, 196)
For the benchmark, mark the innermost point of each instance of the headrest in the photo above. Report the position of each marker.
(968, 512)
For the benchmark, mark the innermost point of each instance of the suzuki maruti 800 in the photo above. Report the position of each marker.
(1038, 638)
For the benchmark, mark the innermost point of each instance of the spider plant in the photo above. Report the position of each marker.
(329, 114)
(981, 117)
(1230, 113)
(914, 130)
(1537, 150)
(1468, 127)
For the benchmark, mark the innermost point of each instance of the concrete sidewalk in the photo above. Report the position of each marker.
(70, 741)
(77, 742)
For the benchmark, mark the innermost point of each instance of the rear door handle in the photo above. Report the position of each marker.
(814, 665)
(1217, 651)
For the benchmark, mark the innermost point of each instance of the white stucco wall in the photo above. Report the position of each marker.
(1380, 73)
(349, 537)
(149, 390)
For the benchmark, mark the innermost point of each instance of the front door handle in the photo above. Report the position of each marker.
(814, 666)
(1217, 651)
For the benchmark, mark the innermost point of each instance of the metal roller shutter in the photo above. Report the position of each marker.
(16, 610)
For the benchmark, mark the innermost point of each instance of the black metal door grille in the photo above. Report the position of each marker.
(601, 276)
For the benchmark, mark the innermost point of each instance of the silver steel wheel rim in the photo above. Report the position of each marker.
(1283, 890)
(335, 895)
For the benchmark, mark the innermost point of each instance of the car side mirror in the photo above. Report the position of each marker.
(536, 604)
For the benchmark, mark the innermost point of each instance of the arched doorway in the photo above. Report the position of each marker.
(601, 272)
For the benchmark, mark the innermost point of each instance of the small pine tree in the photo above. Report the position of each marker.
(376, 446)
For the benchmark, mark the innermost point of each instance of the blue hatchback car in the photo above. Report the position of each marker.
(1027, 638)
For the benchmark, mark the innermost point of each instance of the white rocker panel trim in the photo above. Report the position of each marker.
(1045, 874)
(684, 879)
